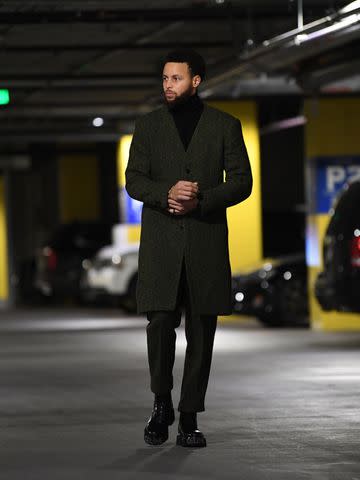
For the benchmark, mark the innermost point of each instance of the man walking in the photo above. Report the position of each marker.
(177, 158)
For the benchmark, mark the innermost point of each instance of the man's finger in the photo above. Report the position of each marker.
(189, 187)
(174, 203)
(185, 197)
(176, 206)
(186, 182)
(187, 190)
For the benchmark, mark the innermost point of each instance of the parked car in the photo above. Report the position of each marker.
(112, 275)
(275, 291)
(58, 263)
(337, 287)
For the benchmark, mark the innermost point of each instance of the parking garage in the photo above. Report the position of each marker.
(281, 399)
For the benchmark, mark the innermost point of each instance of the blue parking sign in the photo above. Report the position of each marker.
(331, 175)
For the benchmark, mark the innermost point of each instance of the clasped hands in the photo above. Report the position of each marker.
(182, 197)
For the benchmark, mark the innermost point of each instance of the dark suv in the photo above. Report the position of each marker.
(58, 263)
(338, 286)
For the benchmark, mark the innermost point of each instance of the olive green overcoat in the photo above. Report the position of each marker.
(157, 160)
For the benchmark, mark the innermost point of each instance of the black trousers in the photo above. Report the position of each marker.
(161, 343)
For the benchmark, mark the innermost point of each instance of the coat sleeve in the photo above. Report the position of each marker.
(238, 179)
(138, 181)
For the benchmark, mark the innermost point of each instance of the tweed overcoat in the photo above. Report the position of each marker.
(158, 160)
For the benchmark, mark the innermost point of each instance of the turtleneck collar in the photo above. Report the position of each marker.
(186, 116)
(192, 103)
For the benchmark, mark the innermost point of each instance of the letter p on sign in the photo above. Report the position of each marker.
(335, 174)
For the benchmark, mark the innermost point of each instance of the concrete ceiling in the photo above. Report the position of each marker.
(68, 62)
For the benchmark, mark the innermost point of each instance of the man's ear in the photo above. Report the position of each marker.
(196, 80)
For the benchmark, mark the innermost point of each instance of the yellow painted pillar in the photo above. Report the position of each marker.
(129, 207)
(244, 219)
(4, 273)
(78, 187)
(331, 135)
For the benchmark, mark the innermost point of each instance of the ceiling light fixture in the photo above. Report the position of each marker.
(98, 122)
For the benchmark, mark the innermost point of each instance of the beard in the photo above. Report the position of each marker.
(179, 99)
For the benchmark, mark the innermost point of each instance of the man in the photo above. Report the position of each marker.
(176, 162)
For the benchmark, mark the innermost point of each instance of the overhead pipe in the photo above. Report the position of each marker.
(294, 40)
(36, 111)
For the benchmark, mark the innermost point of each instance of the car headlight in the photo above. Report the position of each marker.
(86, 264)
(116, 259)
(287, 275)
(239, 296)
(265, 274)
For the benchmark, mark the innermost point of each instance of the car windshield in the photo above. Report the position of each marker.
(346, 215)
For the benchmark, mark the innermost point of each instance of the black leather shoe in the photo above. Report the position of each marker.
(190, 437)
(157, 429)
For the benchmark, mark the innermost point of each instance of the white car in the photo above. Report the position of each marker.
(113, 272)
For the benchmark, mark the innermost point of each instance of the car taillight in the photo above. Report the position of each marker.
(51, 258)
(355, 252)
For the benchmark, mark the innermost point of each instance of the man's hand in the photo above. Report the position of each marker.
(183, 190)
(182, 197)
(182, 208)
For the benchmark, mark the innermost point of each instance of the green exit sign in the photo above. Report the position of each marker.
(4, 96)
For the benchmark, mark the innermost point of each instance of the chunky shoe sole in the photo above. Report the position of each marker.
(153, 438)
(191, 440)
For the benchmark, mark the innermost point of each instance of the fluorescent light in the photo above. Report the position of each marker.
(346, 22)
(351, 6)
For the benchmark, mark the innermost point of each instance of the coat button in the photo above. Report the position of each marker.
(188, 170)
(182, 227)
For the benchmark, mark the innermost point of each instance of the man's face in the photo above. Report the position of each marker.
(178, 84)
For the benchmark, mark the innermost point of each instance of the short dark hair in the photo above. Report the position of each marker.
(191, 57)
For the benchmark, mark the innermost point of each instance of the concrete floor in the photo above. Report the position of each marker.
(74, 399)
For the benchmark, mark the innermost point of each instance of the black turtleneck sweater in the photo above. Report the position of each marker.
(186, 116)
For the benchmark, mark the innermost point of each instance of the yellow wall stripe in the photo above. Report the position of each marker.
(244, 220)
(78, 187)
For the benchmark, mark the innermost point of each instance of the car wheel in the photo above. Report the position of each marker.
(85, 297)
(291, 305)
(270, 320)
